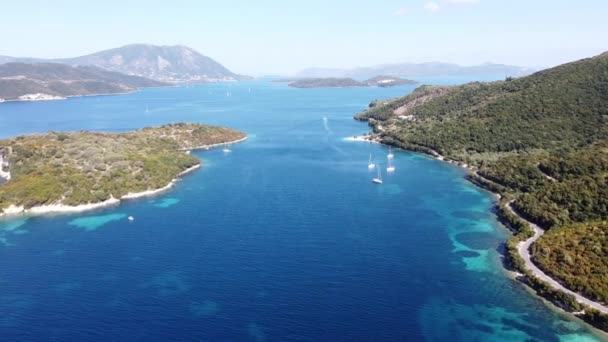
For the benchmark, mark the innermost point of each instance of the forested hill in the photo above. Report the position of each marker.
(542, 141)
(562, 107)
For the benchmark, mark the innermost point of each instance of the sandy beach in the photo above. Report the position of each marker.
(153, 192)
(206, 147)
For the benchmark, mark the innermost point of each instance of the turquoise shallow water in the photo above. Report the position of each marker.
(285, 239)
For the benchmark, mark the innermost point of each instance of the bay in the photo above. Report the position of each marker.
(284, 239)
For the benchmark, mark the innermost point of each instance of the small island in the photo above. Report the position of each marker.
(332, 82)
(76, 171)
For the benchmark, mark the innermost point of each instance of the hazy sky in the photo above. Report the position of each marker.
(278, 36)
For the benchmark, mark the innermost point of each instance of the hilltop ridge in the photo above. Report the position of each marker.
(172, 64)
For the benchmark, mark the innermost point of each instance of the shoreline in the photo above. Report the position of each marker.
(58, 208)
(59, 98)
(169, 85)
(206, 147)
(152, 192)
(435, 155)
(523, 246)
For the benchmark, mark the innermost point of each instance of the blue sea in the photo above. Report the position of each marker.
(284, 239)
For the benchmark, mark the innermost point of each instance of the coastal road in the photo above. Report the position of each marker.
(524, 250)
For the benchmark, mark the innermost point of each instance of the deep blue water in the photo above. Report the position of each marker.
(285, 239)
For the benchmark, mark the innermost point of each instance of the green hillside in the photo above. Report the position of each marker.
(88, 167)
(540, 140)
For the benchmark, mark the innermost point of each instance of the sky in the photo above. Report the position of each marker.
(281, 37)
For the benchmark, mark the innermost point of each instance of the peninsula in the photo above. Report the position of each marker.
(75, 171)
(53, 81)
(541, 143)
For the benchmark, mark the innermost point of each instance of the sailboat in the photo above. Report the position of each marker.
(226, 150)
(378, 179)
(390, 167)
(390, 153)
(371, 164)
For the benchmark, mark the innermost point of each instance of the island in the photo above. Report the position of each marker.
(76, 171)
(540, 143)
(331, 82)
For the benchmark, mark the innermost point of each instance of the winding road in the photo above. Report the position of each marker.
(524, 250)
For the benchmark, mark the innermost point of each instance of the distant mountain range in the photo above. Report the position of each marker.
(172, 64)
(46, 81)
(432, 69)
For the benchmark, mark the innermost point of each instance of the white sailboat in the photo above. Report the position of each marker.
(371, 164)
(378, 179)
(390, 168)
(390, 153)
(227, 150)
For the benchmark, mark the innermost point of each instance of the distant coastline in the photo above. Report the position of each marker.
(346, 82)
(59, 98)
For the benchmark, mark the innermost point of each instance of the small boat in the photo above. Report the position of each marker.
(371, 164)
(390, 154)
(390, 168)
(226, 150)
(378, 179)
(131, 218)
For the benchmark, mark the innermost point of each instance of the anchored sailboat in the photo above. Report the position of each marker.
(378, 179)
(390, 153)
(390, 168)
(371, 164)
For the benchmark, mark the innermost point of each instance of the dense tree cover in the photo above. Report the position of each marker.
(518, 172)
(563, 107)
(580, 192)
(577, 255)
(540, 140)
(595, 318)
(87, 167)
